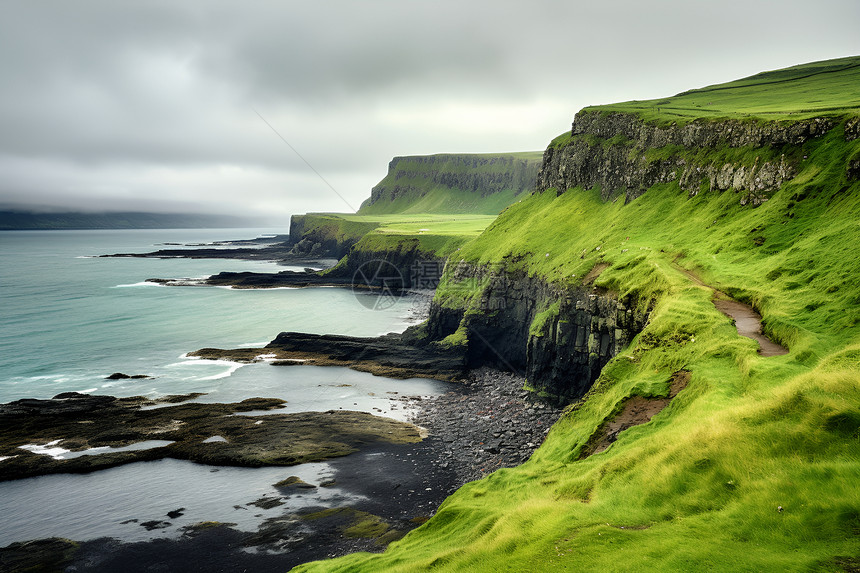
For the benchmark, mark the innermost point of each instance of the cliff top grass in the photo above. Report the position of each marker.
(830, 87)
(470, 183)
(753, 466)
(527, 155)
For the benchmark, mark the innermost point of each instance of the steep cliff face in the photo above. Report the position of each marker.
(622, 154)
(322, 234)
(561, 337)
(558, 337)
(403, 265)
(453, 183)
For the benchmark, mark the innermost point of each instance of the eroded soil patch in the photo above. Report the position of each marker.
(636, 410)
(594, 273)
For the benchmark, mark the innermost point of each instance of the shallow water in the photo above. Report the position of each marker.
(115, 502)
(69, 320)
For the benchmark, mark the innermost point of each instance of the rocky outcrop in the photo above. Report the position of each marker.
(316, 235)
(75, 425)
(621, 154)
(700, 132)
(403, 265)
(392, 355)
(389, 273)
(852, 129)
(559, 338)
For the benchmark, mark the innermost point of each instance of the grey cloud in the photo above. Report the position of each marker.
(96, 90)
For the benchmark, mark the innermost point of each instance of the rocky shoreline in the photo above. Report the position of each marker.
(489, 423)
(485, 423)
(41, 437)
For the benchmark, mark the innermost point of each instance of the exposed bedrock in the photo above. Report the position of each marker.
(394, 355)
(403, 265)
(621, 154)
(88, 426)
(558, 337)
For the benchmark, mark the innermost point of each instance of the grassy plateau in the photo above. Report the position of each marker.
(755, 465)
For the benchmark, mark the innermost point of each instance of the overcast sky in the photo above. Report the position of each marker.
(156, 105)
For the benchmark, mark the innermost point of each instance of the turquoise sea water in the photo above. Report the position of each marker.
(69, 319)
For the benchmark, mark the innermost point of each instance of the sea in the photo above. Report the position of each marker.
(69, 318)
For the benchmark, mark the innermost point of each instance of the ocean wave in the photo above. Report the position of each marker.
(195, 361)
(140, 284)
(226, 374)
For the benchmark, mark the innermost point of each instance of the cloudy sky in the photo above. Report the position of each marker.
(163, 105)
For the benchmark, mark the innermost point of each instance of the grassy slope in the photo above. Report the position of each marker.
(700, 486)
(429, 197)
(807, 90)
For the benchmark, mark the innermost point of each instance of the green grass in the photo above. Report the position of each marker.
(697, 488)
(755, 465)
(807, 90)
(454, 183)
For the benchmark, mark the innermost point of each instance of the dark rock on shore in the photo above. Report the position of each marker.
(252, 280)
(484, 424)
(381, 355)
(489, 423)
(78, 422)
(51, 554)
(278, 248)
(392, 355)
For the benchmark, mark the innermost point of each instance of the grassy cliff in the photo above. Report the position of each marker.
(755, 465)
(803, 91)
(453, 183)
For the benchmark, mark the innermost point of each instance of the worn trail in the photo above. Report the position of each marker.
(747, 320)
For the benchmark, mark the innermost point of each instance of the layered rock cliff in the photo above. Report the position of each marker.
(623, 155)
(559, 337)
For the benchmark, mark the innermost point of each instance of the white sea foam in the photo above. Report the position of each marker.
(254, 344)
(46, 449)
(64, 454)
(2, 458)
(261, 288)
(196, 360)
(214, 439)
(144, 445)
(226, 374)
(87, 391)
(140, 284)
